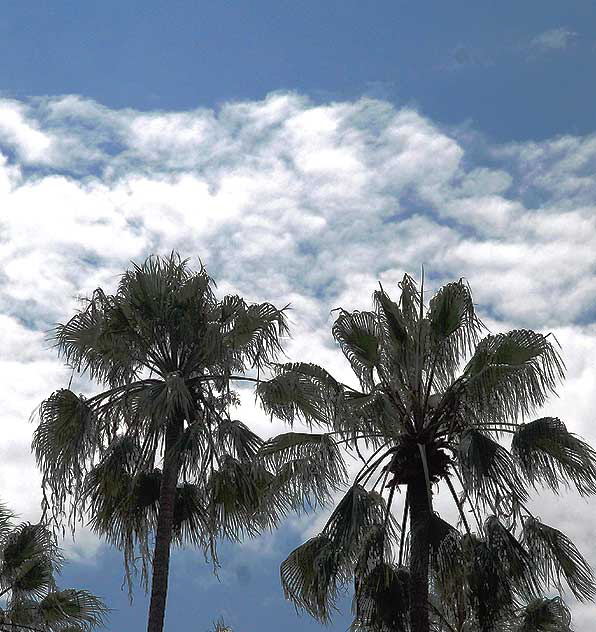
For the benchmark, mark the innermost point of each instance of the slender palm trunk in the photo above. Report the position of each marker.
(419, 554)
(163, 536)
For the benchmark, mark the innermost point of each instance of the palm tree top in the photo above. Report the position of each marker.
(437, 394)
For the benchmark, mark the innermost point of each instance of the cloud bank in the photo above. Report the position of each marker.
(288, 201)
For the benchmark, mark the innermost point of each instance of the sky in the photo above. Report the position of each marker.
(304, 152)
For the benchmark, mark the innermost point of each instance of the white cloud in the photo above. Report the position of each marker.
(284, 201)
(553, 39)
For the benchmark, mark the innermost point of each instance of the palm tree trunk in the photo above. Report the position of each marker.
(163, 537)
(419, 554)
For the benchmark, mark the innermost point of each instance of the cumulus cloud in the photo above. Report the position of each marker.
(285, 200)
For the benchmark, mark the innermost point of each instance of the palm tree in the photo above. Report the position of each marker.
(156, 452)
(433, 403)
(29, 559)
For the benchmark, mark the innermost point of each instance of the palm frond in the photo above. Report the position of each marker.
(555, 556)
(372, 416)
(382, 600)
(301, 391)
(487, 469)
(546, 451)
(488, 588)
(409, 302)
(238, 440)
(255, 332)
(6, 520)
(241, 499)
(352, 519)
(29, 560)
(544, 615)
(359, 336)
(454, 329)
(192, 521)
(63, 442)
(310, 577)
(511, 374)
(314, 573)
(308, 467)
(516, 562)
(62, 609)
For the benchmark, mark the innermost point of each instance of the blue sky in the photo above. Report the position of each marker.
(304, 151)
(457, 61)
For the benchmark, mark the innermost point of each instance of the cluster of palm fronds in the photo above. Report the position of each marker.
(29, 561)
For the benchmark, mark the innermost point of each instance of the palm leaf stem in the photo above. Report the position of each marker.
(358, 451)
(419, 341)
(382, 475)
(365, 470)
(459, 504)
(362, 436)
(209, 437)
(403, 529)
(467, 497)
(431, 377)
(441, 616)
(388, 509)
(422, 450)
(119, 389)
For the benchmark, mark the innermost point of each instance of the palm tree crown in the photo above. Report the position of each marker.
(434, 401)
(156, 452)
(29, 560)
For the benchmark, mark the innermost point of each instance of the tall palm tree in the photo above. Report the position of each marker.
(433, 403)
(156, 452)
(29, 560)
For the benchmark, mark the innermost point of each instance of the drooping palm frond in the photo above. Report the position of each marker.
(308, 467)
(98, 341)
(314, 573)
(256, 331)
(352, 520)
(29, 559)
(6, 521)
(382, 600)
(511, 374)
(240, 499)
(544, 615)
(489, 590)
(547, 452)
(517, 562)
(310, 577)
(301, 391)
(63, 442)
(487, 469)
(556, 557)
(373, 417)
(238, 440)
(191, 516)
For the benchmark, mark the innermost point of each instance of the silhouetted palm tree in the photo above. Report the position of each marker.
(29, 559)
(156, 451)
(433, 402)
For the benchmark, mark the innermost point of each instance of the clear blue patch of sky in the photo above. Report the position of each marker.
(248, 596)
(456, 61)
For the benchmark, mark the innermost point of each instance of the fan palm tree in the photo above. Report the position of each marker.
(433, 403)
(29, 559)
(156, 452)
